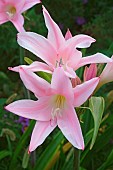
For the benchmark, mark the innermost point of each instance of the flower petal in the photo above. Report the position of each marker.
(68, 35)
(70, 127)
(70, 72)
(96, 58)
(54, 33)
(37, 110)
(82, 92)
(35, 66)
(2, 4)
(74, 58)
(107, 74)
(39, 46)
(3, 18)
(80, 41)
(39, 134)
(61, 83)
(33, 82)
(18, 22)
(30, 3)
(18, 4)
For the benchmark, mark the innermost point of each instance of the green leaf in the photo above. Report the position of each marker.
(81, 168)
(28, 60)
(44, 160)
(4, 77)
(108, 162)
(111, 48)
(8, 132)
(2, 103)
(87, 139)
(103, 139)
(21, 145)
(109, 99)
(101, 142)
(11, 98)
(45, 76)
(4, 153)
(68, 163)
(25, 159)
(42, 74)
(96, 105)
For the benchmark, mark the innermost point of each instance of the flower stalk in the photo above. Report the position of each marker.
(76, 159)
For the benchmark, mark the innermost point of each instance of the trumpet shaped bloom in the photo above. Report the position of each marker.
(57, 50)
(55, 106)
(11, 10)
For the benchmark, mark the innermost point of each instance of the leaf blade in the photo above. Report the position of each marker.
(96, 105)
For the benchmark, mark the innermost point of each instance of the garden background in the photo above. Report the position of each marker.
(94, 18)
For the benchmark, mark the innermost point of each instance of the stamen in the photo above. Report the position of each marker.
(59, 63)
(10, 11)
(56, 63)
(58, 106)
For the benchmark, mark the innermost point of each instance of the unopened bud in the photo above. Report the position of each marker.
(75, 81)
(90, 72)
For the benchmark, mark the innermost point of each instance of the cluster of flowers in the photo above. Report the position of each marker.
(56, 101)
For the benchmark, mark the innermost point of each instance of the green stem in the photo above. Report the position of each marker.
(27, 95)
(33, 158)
(21, 56)
(76, 164)
(76, 159)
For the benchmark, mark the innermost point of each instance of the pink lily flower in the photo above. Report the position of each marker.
(11, 10)
(55, 106)
(57, 51)
(107, 74)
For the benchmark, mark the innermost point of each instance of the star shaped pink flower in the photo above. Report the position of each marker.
(11, 10)
(56, 50)
(55, 106)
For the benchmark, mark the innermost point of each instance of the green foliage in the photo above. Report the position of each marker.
(25, 159)
(96, 105)
(20, 146)
(97, 123)
(48, 155)
(4, 154)
(108, 163)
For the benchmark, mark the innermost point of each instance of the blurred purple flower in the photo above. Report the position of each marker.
(85, 1)
(24, 122)
(80, 20)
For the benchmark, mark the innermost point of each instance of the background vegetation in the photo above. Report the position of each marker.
(92, 17)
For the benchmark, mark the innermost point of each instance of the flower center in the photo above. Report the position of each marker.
(59, 104)
(10, 11)
(59, 63)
